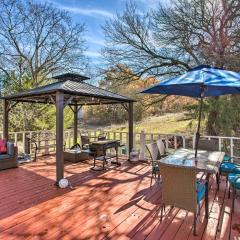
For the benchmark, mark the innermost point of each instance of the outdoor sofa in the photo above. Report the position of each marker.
(9, 159)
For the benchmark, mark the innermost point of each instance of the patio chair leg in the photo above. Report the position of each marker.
(217, 179)
(162, 209)
(234, 194)
(194, 224)
(229, 192)
(104, 163)
(151, 180)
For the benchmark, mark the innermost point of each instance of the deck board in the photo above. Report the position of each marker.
(31, 207)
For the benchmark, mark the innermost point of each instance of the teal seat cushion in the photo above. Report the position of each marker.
(228, 167)
(201, 189)
(232, 177)
(227, 158)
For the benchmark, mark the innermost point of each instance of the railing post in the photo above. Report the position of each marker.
(151, 138)
(24, 142)
(193, 140)
(30, 144)
(5, 119)
(142, 145)
(231, 147)
(121, 138)
(69, 138)
(46, 147)
(219, 144)
(166, 140)
(134, 140)
(175, 142)
(15, 138)
(38, 141)
(184, 141)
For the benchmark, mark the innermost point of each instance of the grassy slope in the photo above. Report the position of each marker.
(167, 124)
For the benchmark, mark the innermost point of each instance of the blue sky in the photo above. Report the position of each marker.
(94, 13)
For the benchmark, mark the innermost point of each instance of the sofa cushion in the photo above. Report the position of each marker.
(234, 180)
(201, 190)
(3, 146)
(10, 148)
(229, 167)
(4, 156)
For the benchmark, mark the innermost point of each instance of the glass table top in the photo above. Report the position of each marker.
(206, 161)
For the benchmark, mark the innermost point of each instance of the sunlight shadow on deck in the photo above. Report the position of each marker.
(21, 189)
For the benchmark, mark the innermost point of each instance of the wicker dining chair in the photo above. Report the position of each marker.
(180, 189)
(102, 136)
(155, 157)
(85, 141)
(210, 145)
(161, 148)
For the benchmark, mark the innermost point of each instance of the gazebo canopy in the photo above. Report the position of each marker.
(74, 86)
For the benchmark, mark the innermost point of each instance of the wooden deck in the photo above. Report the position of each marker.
(114, 204)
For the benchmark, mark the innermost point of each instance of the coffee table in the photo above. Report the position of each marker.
(76, 155)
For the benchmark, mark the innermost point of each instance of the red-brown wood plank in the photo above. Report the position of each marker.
(85, 200)
(235, 223)
(112, 208)
(31, 207)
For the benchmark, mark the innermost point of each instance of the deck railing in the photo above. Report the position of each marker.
(230, 145)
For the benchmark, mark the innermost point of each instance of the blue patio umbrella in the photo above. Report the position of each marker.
(199, 82)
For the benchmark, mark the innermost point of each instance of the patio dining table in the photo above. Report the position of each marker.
(207, 162)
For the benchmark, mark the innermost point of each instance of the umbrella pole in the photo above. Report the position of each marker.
(198, 128)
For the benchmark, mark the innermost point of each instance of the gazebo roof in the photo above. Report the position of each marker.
(71, 76)
(72, 85)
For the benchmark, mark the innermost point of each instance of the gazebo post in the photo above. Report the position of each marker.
(75, 129)
(130, 128)
(59, 135)
(5, 119)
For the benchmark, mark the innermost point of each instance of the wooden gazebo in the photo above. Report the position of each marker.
(69, 90)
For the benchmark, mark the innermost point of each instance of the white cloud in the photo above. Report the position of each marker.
(93, 12)
(94, 40)
(152, 3)
(92, 54)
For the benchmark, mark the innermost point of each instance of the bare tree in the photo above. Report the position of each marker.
(206, 31)
(37, 40)
(173, 38)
